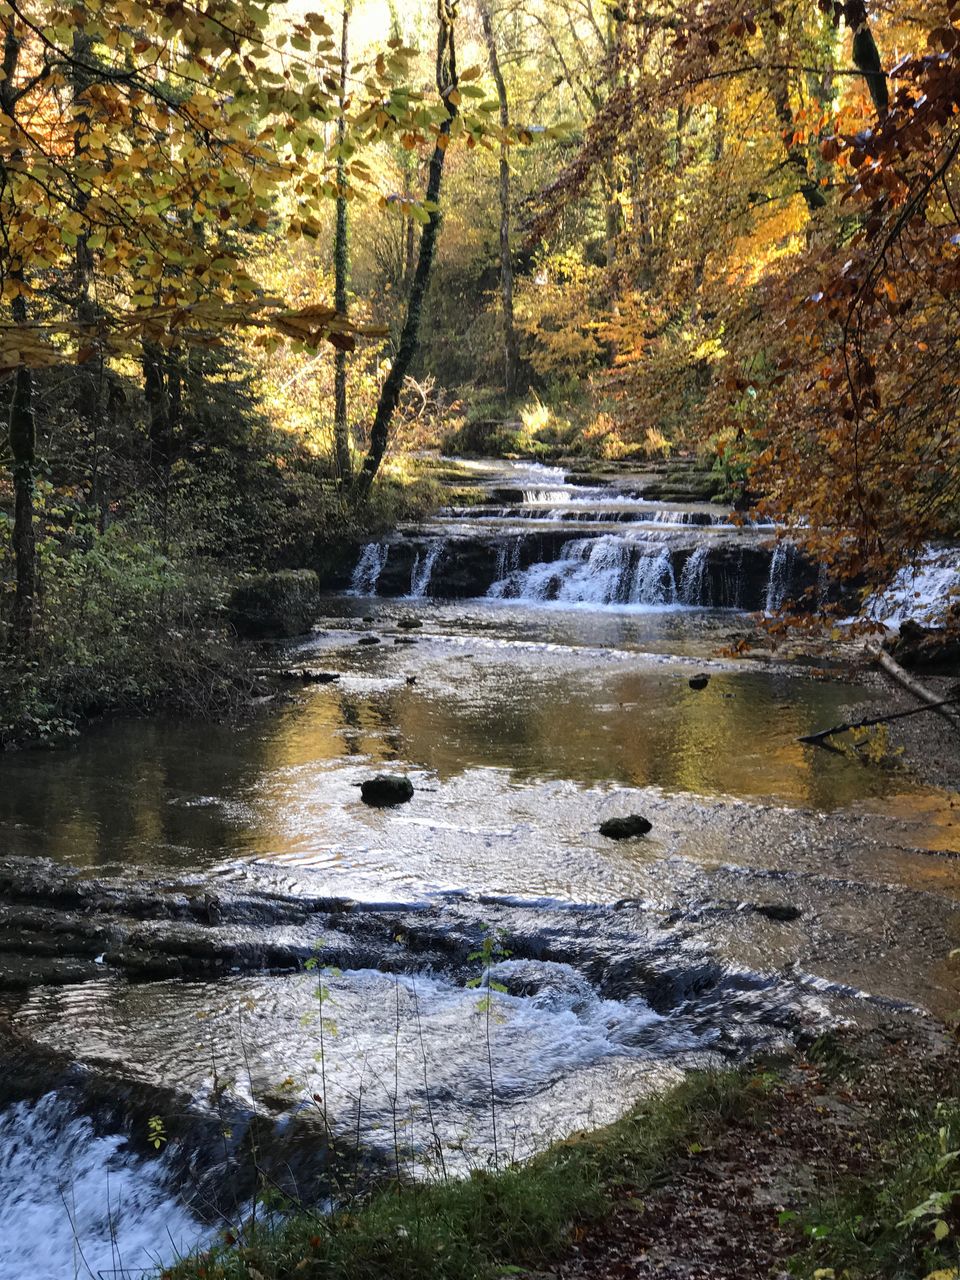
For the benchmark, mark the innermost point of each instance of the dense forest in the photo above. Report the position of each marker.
(255, 260)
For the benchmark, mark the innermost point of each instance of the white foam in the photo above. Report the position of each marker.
(368, 569)
(76, 1204)
(597, 571)
(922, 592)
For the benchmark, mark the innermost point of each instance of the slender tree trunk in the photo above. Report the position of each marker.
(511, 353)
(22, 429)
(158, 407)
(88, 400)
(23, 450)
(866, 55)
(410, 335)
(341, 266)
(409, 232)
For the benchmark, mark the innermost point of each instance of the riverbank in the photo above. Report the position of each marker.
(839, 1160)
(129, 622)
(925, 743)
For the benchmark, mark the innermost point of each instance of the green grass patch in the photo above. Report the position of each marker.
(488, 1223)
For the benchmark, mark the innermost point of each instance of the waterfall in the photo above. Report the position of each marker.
(541, 497)
(508, 559)
(923, 591)
(602, 571)
(366, 575)
(683, 519)
(423, 567)
(693, 579)
(781, 571)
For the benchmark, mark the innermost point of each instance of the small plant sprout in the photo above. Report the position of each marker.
(156, 1132)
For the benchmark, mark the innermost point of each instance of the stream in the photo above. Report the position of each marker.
(204, 923)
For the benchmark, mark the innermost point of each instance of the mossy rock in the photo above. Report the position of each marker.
(275, 604)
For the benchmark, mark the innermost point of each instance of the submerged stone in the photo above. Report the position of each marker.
(699, 681)
(386, 789)
(369, 640)
(780, 911)
(409, 624)
(625, 828)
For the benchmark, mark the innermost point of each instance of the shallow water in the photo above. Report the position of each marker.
(493, 717)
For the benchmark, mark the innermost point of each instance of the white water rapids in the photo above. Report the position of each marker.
(76, 1204)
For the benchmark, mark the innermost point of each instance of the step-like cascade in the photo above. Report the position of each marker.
(541, 536)
(782, 566)
(368, 569)
(605, 569)
(693, 577)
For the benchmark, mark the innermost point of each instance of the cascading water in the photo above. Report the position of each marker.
(683, 519)
(79, 1204)
(654, 581)
(423, 567)
(781, 572)
(369, 567)
(508, 558)
(544, 497)
(602, 571)
(693, 579)
(923, 592)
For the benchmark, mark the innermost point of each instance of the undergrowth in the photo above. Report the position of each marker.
(901, 1220)
(488, 1223)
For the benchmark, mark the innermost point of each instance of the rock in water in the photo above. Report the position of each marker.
(625, 828)
(699, 681)
(780, 911)
(409, 623)
(369, 640)
(386, 789)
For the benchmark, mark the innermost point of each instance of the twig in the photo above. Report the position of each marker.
(818, 739)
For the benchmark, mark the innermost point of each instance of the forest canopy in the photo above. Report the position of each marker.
(256, 257)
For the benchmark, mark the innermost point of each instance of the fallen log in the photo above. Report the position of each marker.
(819, 739)
(903, 678)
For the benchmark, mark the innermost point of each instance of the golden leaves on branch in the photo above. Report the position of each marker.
(205, 324)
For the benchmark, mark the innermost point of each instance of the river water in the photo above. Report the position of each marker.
(532, 679)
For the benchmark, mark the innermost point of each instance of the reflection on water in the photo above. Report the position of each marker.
(516, 745)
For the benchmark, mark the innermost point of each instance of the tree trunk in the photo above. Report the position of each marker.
(23, 450)
(159, 442)
(90, 377)
(341, 265)
(511, 353)
(796, 153)
(22, 430)
(410, 335)
(866, 58)
(894, 669)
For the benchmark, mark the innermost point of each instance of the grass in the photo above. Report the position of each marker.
(901, 1218)
(489, 1223)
